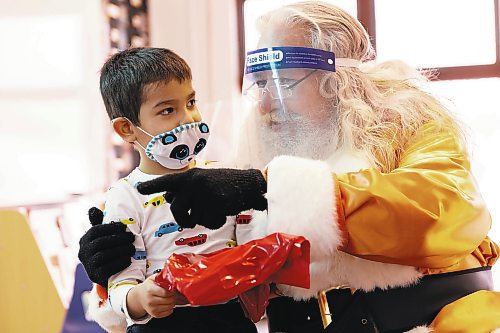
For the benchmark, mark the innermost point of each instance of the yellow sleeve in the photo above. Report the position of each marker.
(425, 213)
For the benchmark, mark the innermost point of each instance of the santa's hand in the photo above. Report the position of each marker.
(105, 249)
(206, 196)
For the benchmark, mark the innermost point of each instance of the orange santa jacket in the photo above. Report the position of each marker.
(371, 229)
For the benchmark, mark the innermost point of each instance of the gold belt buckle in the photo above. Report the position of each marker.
(326, 315)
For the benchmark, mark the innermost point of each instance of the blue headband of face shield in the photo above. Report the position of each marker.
(267, 70)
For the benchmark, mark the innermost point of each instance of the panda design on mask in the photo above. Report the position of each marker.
(175, 149)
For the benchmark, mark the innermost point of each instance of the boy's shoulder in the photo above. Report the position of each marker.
(128, 183)
(123, 193)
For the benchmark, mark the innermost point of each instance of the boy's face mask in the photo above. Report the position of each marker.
(175, 149)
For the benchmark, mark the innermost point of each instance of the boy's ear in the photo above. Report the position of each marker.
(124, 128)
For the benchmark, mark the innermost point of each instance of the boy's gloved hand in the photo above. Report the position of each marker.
(105, 249)
(207, 196)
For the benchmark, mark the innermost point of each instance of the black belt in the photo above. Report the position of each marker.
(401, 309)
(284, 315)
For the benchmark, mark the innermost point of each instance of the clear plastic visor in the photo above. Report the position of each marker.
(285, 81)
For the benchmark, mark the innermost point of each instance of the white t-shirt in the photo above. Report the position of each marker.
(157, 236)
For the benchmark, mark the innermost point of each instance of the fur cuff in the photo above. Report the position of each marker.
(344, 269)
(301, 201)
(101, 312)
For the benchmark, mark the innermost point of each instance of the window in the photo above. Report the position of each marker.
(458, 38)
(254, 8)
(51, 134)
(250, 10)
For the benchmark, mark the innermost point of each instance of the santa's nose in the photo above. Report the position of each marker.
(266, 103)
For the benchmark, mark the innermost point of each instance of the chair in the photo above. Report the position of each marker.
(29, 299)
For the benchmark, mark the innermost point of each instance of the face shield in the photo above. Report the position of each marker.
(284, 83)
(288, 110)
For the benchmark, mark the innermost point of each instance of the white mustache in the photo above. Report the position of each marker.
(280, 116)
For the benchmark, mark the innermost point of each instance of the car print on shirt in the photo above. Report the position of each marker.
(243, 218)
(155, 202)
(130, 220)
(167, 228)
(140, 255)
(192, 241)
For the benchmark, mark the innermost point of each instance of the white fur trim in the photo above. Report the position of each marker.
(496, 331)
(301, 202)
(258, 225)
(344, 269)
(301, 199)
(104, 315)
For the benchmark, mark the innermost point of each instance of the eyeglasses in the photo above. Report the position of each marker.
(276, 88)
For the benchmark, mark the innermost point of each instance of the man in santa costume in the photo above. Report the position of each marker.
(360, 159)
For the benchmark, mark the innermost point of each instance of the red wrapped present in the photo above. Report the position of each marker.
(245, 270)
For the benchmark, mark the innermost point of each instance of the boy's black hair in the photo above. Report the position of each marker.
(126, 73)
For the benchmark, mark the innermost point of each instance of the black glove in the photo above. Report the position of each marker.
(207, 196)
(105, 249)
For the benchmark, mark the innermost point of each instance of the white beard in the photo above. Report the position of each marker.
(262, 139)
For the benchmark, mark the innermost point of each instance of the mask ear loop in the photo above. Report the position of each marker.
(138, 127)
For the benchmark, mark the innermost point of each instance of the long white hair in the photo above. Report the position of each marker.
(379, 107)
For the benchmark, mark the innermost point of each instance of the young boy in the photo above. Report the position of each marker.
(151, 102)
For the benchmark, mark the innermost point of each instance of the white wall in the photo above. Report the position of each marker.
(53, 127)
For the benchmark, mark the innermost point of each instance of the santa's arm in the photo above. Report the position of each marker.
(425, 213)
